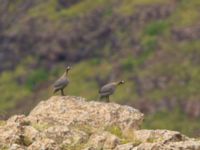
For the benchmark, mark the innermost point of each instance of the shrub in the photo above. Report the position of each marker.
(155, 28)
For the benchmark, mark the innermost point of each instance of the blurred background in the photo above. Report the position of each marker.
(154, 45)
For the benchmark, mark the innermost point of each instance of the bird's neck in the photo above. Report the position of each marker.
(66, 73)
(118, 83)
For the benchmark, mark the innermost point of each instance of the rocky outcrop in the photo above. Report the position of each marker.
(72, 123)
(186, 33)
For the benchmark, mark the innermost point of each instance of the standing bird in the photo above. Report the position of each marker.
(62, 82)
(109, 89)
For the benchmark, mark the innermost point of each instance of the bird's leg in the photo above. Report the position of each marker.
(107, 99)
(62, 92)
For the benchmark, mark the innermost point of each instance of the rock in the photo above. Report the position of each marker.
(71, 123)
(19, 119)
(183, 145)
(65, 135)
(159, 136)
(150, 146)
(103, 140)
(76, 111)
(187, 145)
(16, 147)
(127, 146)
(44, 144)
(186, 33)
(31, 132)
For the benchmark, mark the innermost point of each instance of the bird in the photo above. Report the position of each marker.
(62, 82)
(109, 89)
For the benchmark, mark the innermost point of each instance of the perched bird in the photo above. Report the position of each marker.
(109, 89)
(62, 82)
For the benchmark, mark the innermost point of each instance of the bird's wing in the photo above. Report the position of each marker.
(60, 82)
(106, 88)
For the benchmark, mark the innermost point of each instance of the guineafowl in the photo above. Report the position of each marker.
(109, 89)
(62, 82)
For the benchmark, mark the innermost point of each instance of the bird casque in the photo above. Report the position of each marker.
(62, 82)
(109, 89)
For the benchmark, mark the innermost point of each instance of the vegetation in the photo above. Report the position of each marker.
(151, 44)
(2, 122)
(41, 126)
(124, 137)
(173, 120)
(115, 130)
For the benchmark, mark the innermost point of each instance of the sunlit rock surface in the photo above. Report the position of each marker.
(72, 123)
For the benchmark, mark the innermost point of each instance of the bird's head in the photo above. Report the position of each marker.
(68, 68)
(121, 82)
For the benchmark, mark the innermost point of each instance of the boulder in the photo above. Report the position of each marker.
(72, 123)
(77, 111)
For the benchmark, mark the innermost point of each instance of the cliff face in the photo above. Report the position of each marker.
(71, 123)
(152, 44)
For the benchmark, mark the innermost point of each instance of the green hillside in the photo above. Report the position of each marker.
(153, 45)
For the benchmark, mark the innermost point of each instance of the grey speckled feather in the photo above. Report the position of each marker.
(108, 89)
(61, 83)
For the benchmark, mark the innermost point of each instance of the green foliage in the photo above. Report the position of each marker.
(49, 9)
(82, 7)
(35, 78)
(115, 130)
(186, 14)
(128, 64)
(149, 44)
(11, 91)
(173, 120)
(131, 64)
(95, 61)
(155, 28)
(124, 137)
